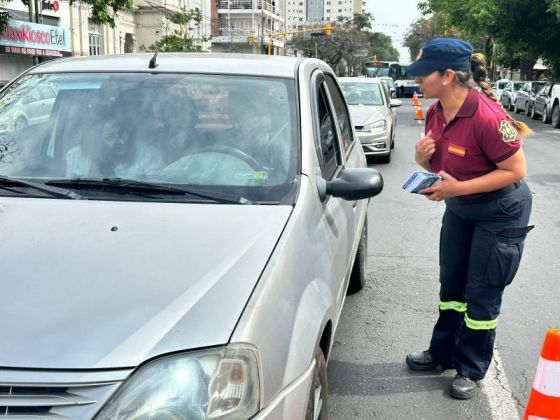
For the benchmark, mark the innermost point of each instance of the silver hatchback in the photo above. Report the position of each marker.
(373, 114)
(178, 238)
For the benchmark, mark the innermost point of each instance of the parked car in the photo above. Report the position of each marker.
(373, 116)
(26, 107)
(542, 105)
(390, 85)
(499, 87)
(555, 101)
(526, 97)
(509, 94)
(163, 264)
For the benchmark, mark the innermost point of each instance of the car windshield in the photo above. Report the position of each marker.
(234, 134)
(536, 87)
(502, 85)
(362, 93)
(518, 85)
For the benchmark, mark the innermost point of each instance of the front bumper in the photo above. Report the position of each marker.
(291, 402)
(375, 143)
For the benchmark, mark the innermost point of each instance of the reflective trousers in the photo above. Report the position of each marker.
(481, 244)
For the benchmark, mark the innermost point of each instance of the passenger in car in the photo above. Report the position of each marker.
(115, 155)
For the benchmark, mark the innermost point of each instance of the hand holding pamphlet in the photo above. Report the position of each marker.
(420, 180)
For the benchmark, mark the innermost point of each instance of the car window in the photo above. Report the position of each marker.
(537, 87)
(363, 94)
(233, 133)
(502, 85)
(342, 114)
(518, 85)
(328, 139)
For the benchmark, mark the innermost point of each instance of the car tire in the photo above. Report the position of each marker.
(510, 106)
(545, 118)
(393, 140)
(20, 123)
(534, 115)
(318, 393)
(358, 276)
(527, 109)
(556, 116)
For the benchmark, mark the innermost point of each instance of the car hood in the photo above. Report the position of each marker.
(363, 114)
(92, 284)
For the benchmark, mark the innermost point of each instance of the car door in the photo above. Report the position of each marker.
(540, 100)
(522, 96)
(337, 215)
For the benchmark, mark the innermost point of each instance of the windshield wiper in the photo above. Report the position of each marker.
(52, 191)
(149, 187)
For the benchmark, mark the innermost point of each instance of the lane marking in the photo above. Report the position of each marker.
(497, 390)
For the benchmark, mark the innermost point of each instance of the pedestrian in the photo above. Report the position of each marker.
(475, 146)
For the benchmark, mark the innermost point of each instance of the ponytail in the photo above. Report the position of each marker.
(478, 69)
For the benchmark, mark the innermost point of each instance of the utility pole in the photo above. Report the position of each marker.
(262, 27)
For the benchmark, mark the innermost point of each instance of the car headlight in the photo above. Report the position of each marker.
(209, 384)
(376, 126)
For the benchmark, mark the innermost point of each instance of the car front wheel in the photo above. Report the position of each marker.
(556, 116)
(545, 118)
(534, 115)
(318, 394)
(358, 276)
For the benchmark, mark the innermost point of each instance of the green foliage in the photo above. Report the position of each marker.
(510, 32)
(180, 40)
(346, 45)
(104, 11)
(176, 42)
(381, 46)
(362, 20)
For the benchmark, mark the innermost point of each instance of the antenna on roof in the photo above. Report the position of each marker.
(153, 63)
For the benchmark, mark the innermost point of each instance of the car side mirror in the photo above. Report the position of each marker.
(352, 184)
(395, 103)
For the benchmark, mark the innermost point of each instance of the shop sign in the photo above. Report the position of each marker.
(20, 37)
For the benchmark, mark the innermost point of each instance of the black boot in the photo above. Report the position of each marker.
(421, 360)
(463, 388)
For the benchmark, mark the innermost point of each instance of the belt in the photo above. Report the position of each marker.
(492, 195)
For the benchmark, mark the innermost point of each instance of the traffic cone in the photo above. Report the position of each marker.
(419, 114)
(544, 401)
(415, 101)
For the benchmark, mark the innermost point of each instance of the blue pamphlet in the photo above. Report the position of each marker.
(420, 180)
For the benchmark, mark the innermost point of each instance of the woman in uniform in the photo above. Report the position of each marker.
(475, 146)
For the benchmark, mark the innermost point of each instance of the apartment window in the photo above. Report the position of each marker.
(94, 36)
(339, 10)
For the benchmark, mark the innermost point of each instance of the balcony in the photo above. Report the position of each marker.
(246, 5)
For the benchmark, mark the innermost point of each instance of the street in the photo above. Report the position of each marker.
(395, 313)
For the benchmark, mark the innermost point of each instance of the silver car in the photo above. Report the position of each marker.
(178, 238)
(373, 114)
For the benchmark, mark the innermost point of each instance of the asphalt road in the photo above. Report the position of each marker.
(395, 313)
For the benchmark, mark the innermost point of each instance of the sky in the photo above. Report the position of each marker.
(393, 17)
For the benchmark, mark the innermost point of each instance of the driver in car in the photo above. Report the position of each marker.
(114, 156)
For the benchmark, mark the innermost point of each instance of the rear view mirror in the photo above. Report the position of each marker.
(352, 184)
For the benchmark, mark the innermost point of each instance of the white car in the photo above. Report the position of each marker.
(372, 113)
(26, 107)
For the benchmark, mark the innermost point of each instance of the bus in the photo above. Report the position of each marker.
(404, 83)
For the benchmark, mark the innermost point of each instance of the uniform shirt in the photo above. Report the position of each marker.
(480, 136)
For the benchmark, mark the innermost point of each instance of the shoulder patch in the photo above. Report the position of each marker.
(508, 131)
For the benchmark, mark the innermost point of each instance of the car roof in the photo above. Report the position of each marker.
(359, 80)
(244, 64)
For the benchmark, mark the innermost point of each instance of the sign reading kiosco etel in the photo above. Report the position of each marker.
(25, 38)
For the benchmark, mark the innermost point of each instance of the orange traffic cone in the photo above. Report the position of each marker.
(544, 401)
(415, 101)
(419, 114)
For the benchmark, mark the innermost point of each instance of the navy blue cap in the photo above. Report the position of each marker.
(442, 54)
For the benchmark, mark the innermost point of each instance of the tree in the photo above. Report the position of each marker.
(362, 21)
(180, 40)
(521, 30)
(381, 46)
(346, 46)
(102, 11)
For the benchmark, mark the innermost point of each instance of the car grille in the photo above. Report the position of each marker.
(55, 395)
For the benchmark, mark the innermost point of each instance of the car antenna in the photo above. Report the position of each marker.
(153, 63)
